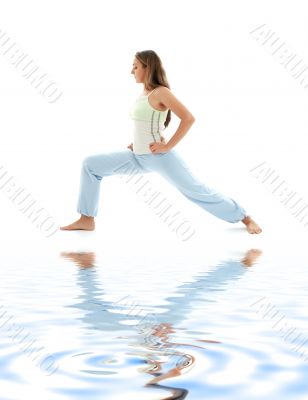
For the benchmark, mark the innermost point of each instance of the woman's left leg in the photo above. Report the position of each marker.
(174, 169)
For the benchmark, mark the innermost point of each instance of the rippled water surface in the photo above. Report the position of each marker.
(127, 320)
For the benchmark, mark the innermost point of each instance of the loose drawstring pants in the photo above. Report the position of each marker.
(169, 165)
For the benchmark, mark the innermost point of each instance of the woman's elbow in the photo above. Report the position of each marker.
(188, 118)
(191, 118)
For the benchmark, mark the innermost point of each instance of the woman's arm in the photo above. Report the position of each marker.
(167, 98)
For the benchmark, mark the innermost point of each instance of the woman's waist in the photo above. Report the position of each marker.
(147, 136)
(148, 126)
(141, 142)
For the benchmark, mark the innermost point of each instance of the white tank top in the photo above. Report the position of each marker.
(148, 124)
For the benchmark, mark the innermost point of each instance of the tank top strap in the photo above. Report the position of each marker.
(152, 91)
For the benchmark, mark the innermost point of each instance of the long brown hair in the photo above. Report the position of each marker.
(155, 74)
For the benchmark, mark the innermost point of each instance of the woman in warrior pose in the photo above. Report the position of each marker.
(149, 152)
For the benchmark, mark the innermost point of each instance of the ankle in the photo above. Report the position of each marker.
(86, 217)
(246, 219)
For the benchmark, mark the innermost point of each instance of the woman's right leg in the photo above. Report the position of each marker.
(94, 169)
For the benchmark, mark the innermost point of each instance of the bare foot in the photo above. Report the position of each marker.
(84, 223)
(251, 225)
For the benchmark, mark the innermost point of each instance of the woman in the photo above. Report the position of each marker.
(150, 152)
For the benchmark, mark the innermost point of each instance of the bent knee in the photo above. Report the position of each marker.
(87, 161)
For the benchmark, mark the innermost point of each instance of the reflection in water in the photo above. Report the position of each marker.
(104, 315)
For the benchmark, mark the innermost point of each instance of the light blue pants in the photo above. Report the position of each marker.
(169, 165)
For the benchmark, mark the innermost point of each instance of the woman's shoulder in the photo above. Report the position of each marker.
(161, 89)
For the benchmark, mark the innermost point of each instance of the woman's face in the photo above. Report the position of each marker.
(138, 71)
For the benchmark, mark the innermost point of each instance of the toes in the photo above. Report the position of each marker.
(253, 228)
(66, 228)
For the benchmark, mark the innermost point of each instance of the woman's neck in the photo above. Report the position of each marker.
(145, 91)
